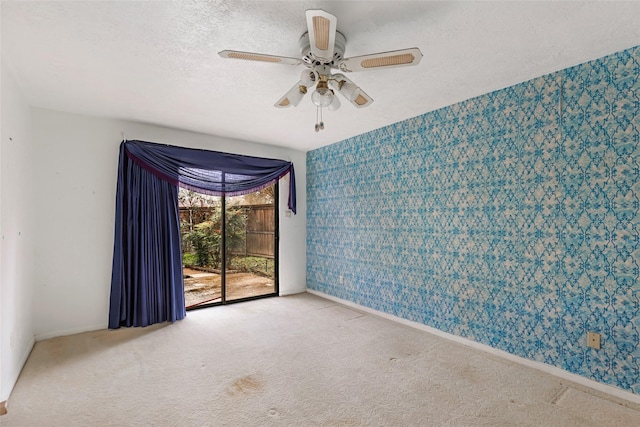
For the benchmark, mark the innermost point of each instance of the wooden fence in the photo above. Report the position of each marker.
(259, 230)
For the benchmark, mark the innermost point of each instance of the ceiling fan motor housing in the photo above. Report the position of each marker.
(310, 59)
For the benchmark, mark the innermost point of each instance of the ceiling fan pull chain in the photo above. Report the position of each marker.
(319, 122)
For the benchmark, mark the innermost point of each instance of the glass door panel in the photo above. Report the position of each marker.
(250, 241)
(200, 227)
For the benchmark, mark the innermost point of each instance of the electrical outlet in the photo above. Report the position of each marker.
(593, 340)
(341, 280)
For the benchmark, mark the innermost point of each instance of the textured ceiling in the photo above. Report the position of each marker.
(157, 62)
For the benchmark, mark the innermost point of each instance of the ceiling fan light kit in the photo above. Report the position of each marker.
(322, 48)
(322, 96)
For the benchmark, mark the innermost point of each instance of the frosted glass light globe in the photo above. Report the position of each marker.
(322, 97)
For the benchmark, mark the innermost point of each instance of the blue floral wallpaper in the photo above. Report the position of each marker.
(510, 219)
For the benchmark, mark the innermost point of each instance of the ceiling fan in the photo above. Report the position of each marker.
(322, 49)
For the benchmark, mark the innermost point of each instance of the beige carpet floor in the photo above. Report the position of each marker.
(299, 360)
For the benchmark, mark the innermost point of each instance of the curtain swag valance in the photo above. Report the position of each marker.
(211, 172)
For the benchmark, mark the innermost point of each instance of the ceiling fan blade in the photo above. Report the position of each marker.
(395, 58)
(235, 54)
(339, 83)
(293, 97)
(322, 33)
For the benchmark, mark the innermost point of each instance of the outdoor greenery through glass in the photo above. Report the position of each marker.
(205, 239)
(202, 240)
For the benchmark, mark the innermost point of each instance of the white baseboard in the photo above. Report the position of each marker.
(553, 370)
(54, 334)
(292, 291)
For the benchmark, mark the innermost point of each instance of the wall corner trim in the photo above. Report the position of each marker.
(23, 360)
(543, 367)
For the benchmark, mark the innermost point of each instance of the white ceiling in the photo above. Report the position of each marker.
(157, 62)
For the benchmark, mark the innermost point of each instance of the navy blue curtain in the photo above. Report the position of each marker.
(146, 280)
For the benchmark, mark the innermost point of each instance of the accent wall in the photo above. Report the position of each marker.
(510, 219)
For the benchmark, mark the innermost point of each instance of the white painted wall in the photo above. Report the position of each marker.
(17, 233)
(75, 165)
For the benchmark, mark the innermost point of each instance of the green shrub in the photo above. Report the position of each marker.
(206, 239)
(189, 260)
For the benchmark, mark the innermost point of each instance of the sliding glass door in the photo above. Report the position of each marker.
(246, 227)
